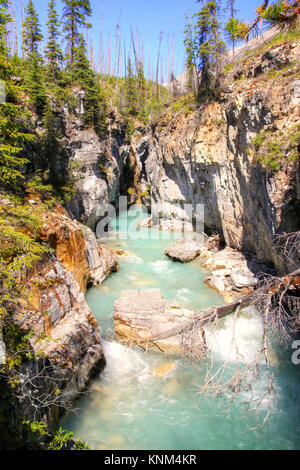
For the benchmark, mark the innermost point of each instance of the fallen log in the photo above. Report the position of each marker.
(201, 319)
(273, 287)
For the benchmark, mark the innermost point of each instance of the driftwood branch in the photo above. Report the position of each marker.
(274, 286)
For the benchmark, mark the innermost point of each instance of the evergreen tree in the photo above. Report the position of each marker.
(75, 14)
(141, 84)
(34, 77)
(130, 92)
(32, 34)
(191, 53)
(284, 15)
(53, 50)
(210, 46)
(12, 135)
(35, 83)
(4, 19)
(235, 31)
(83, 75)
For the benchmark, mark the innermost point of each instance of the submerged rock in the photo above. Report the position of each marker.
(164, 369)
(144, 318)
(183, 251)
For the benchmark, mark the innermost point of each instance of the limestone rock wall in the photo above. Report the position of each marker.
(205, 157)
(101, 168)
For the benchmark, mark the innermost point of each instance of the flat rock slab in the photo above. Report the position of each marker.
(141, 315)
(183, 251)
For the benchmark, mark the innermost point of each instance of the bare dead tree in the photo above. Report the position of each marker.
(9, 33)
(109, 55)
(22, 28)
(16, 46)
(288, 247)
(136, 58)
(277, 300)
(92, 55)
(158, 61)
(40, 386)
(101, 58)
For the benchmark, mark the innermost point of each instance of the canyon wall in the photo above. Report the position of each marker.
(207, 157)
(103, 168)
(63, 348)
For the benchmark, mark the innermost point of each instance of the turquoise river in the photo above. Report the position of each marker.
(133, 405)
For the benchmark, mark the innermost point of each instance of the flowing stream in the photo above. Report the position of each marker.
(146, 401)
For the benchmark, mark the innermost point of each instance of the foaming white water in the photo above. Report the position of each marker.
(247, 333)
(184, 291)
(124, 364)
(160, 265)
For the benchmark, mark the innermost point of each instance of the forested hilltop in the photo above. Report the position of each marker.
(75, 134)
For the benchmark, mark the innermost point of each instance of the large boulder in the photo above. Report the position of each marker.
(233, 273)
(183, 251)
(144, 318)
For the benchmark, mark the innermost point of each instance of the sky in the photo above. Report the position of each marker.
(147, 19)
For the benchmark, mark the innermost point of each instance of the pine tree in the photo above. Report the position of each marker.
(141, 84)
(12, 134)
(191, 53)
(53, 50)
(231, 24)
(32, 34)
(210, 46)
(284, 15)
(4, 20)
(235, 32)
(83, 75)
(34, 77)
(130, 92)
(75, 14)
(35, 83)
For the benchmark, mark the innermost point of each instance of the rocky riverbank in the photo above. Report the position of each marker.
(63, 348)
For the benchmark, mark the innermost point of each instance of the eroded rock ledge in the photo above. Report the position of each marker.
(233, 274)
(77, 249)
(208, 157)
(66, 335)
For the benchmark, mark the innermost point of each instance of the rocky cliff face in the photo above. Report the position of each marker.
(64, 346)
(77, 249)
(103, 168)
(65, 343)
(207, 157)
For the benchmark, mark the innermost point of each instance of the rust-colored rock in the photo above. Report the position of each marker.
(77, 249)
